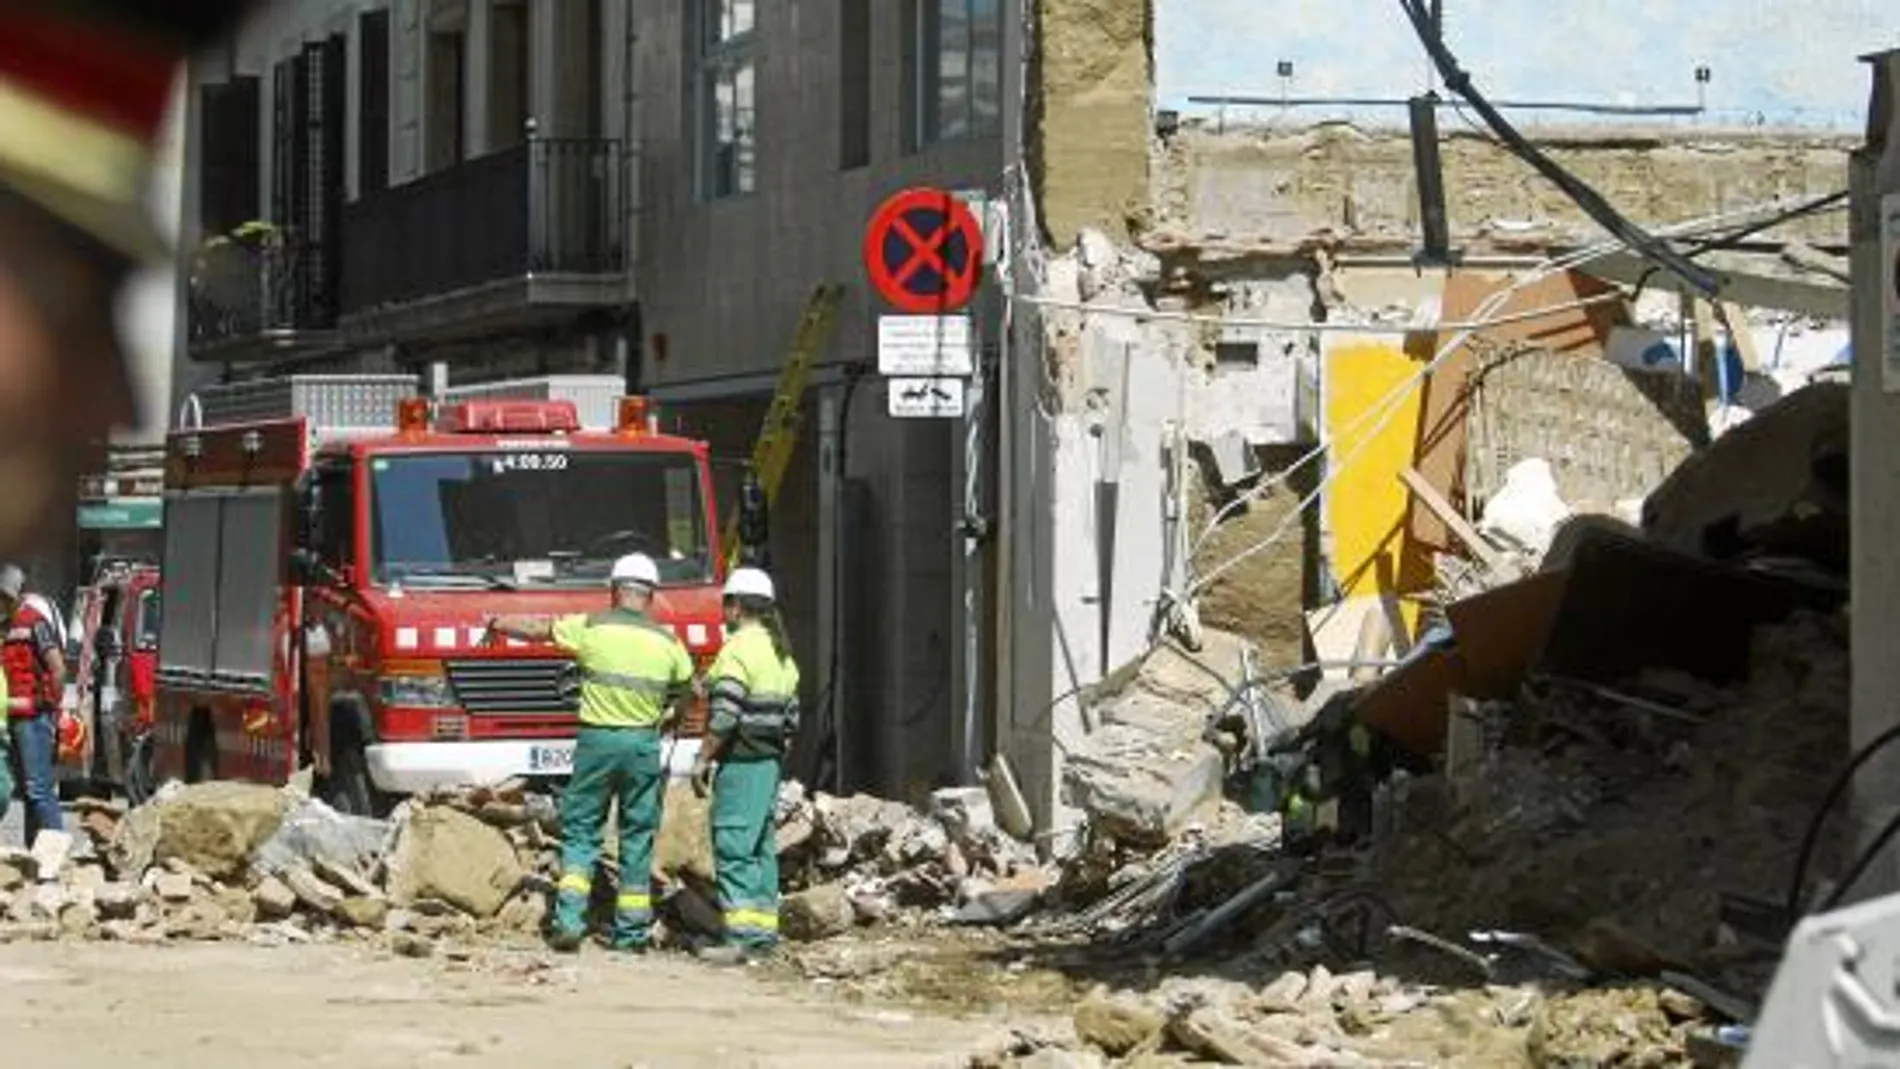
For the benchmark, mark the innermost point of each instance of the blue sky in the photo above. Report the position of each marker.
(1784, 61)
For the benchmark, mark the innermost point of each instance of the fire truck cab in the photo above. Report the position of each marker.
(329, 568)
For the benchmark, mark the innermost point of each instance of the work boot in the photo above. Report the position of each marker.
(565, 940)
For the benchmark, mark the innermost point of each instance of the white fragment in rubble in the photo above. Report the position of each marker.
(1527, 509)
(171, 886)
(51, 849)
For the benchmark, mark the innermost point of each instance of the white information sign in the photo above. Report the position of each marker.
(924, 345)
(1890, 293)
(925, 398)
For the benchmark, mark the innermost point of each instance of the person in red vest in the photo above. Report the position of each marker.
(34, 657)
(84, 88)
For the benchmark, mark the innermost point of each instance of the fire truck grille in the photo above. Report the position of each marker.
(522, 687)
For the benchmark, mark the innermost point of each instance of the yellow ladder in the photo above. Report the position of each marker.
(778, 437)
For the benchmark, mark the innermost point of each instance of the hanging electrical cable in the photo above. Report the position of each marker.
(1589, 200)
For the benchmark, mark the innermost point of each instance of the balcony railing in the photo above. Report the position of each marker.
(549, 206)
(243, 291)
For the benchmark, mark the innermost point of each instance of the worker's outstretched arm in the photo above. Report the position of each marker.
(527, 628)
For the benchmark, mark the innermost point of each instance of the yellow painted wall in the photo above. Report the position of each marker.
(1366, 503)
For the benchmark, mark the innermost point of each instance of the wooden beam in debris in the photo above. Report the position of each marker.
(1460, 528)
(1747, 288)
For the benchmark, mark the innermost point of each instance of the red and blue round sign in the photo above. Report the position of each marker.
(924, 251)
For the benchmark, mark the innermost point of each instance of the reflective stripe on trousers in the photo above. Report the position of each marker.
(751, 925)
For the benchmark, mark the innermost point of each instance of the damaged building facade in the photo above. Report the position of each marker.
(1174, 193)
(1198, 207)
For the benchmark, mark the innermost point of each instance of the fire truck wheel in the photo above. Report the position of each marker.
(201, 750)
(348, 788)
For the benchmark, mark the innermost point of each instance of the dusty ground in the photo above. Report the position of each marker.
(225, 1005)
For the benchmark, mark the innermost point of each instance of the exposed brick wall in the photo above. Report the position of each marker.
(1248, 186)
(1091, 127)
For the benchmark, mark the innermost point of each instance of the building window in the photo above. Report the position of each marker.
(854, 84)
(959, 68)
(727, 67)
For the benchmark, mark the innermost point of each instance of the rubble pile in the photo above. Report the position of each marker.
(234, 861)
(1628, 825)
(861, 860)
(1318, 1017)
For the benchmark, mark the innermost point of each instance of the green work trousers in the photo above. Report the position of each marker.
(745, 849)
(611, 764)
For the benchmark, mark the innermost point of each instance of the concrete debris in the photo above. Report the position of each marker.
(172, 887)
(1775, 486)
(17, 868)
(875, 860)
(1117, 1024)
(1527, 510)
(1146, 773)
(274, 899)
(363, 911)
(318, 837)
(444, 853)
(217, 826)
(817, 913)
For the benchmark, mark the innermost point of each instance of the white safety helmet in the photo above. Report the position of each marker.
(635, 568)
(749, 583)
(12, 581)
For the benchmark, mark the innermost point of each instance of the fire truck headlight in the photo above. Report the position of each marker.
(424, 692)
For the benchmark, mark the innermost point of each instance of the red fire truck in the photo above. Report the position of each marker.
(333, 545)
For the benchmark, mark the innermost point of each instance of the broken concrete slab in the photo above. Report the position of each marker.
(684, 842)
(1117, 1024)
(362, 911)
(172, 887)
(446, 854)
(1146, 772)
(817, 913)
(274, 899)
(216, 826)
(1776, 484)
(311, 889)
(1137, 792)
(997, 908)
(134, 842)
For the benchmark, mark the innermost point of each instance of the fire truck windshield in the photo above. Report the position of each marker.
(516, 517)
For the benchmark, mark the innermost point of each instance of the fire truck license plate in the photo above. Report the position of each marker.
(551, 759)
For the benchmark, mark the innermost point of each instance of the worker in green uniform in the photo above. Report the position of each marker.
(753, 690)
(633, 672)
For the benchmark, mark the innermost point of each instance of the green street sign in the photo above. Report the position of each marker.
(122, 514)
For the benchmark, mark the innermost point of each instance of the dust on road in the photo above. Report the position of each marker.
(224, 1005)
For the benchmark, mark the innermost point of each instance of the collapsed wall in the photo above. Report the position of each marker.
(1171, 396)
